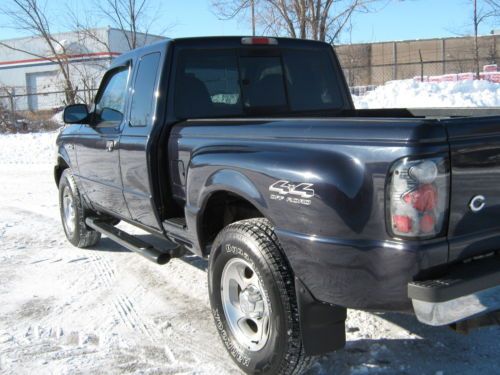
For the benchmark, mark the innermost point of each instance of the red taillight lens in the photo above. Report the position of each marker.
(423, 199)
(418, 197)
(427, 223)
(402, 223)
(259, 41)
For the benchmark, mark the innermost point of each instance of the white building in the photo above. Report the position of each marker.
(35, 81)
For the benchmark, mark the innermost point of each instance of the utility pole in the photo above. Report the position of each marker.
(476, 44)
(421, 66)
(252, 5)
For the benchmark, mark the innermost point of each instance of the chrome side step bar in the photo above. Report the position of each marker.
(132, 243)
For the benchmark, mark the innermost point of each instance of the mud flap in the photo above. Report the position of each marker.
(322, 325)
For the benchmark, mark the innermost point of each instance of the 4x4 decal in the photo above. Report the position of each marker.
(299, 194)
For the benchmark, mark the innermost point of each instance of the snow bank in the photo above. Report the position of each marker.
(414, 94)
(58, 118)
(32, 148)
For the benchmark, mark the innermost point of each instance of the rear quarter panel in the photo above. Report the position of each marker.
(338, 229)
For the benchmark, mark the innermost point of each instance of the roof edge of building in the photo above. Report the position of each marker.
(106, 28)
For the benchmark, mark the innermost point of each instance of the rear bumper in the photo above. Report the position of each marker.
(365, 275)
(466, 291)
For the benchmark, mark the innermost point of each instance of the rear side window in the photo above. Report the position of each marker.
(219, 83)
(144, 90)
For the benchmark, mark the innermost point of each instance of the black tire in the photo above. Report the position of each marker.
(255, 242)
(81, 236)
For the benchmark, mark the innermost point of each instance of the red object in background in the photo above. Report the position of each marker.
(427, 223)
(490, 73)
(490, 68)
(403, 224)
(423, 199)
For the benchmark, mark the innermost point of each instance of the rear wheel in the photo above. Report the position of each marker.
(253, 300)
(73, 213)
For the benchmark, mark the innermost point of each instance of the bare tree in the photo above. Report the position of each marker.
(322, 20)
(86, 26)
(30, 16)
(88, 33)
(483, 10)
(355, 61)
(7, 114)
(132, 18)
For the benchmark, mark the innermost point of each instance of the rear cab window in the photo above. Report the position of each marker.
(245, 82)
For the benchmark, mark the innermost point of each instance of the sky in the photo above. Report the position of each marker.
(398, 20)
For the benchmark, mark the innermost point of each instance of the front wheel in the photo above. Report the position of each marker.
(253, 301)
(72, 213)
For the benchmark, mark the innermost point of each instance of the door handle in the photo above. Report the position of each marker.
(110, 146)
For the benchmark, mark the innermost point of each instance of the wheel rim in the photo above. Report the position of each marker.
(69, 210)
(244, 303)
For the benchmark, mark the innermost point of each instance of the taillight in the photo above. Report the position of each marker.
(418, 197)
(423, 199)
(259, 41)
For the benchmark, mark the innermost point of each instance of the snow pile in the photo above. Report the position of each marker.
(414, 94)
(32, 148)
(58, 118)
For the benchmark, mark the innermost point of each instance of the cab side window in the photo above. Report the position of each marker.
(110, 105)
(142, 107)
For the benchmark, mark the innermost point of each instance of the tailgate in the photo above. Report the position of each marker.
(474, 226)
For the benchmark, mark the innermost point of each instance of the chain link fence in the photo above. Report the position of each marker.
(375, 75)
(367, 66)
(16, 114)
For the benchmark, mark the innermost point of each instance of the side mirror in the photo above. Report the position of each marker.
(76, 114)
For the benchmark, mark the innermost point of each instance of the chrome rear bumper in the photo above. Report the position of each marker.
(455, 310)
(467, 291)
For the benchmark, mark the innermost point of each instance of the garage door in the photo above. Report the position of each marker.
(39, 83)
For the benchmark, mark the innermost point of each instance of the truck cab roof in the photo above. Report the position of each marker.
(215, 42)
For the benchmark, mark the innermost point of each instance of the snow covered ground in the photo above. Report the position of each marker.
(414, 94)
(108, 311)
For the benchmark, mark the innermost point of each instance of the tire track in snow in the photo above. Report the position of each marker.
(124, 309)
(123, 305)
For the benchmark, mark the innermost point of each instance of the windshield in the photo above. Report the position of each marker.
(221, 83)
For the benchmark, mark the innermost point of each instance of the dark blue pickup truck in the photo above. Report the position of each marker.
(249, 152)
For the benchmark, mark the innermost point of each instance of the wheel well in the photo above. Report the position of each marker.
(222, 209)
(59, 169)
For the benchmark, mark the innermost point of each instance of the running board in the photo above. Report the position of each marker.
(132, 243)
